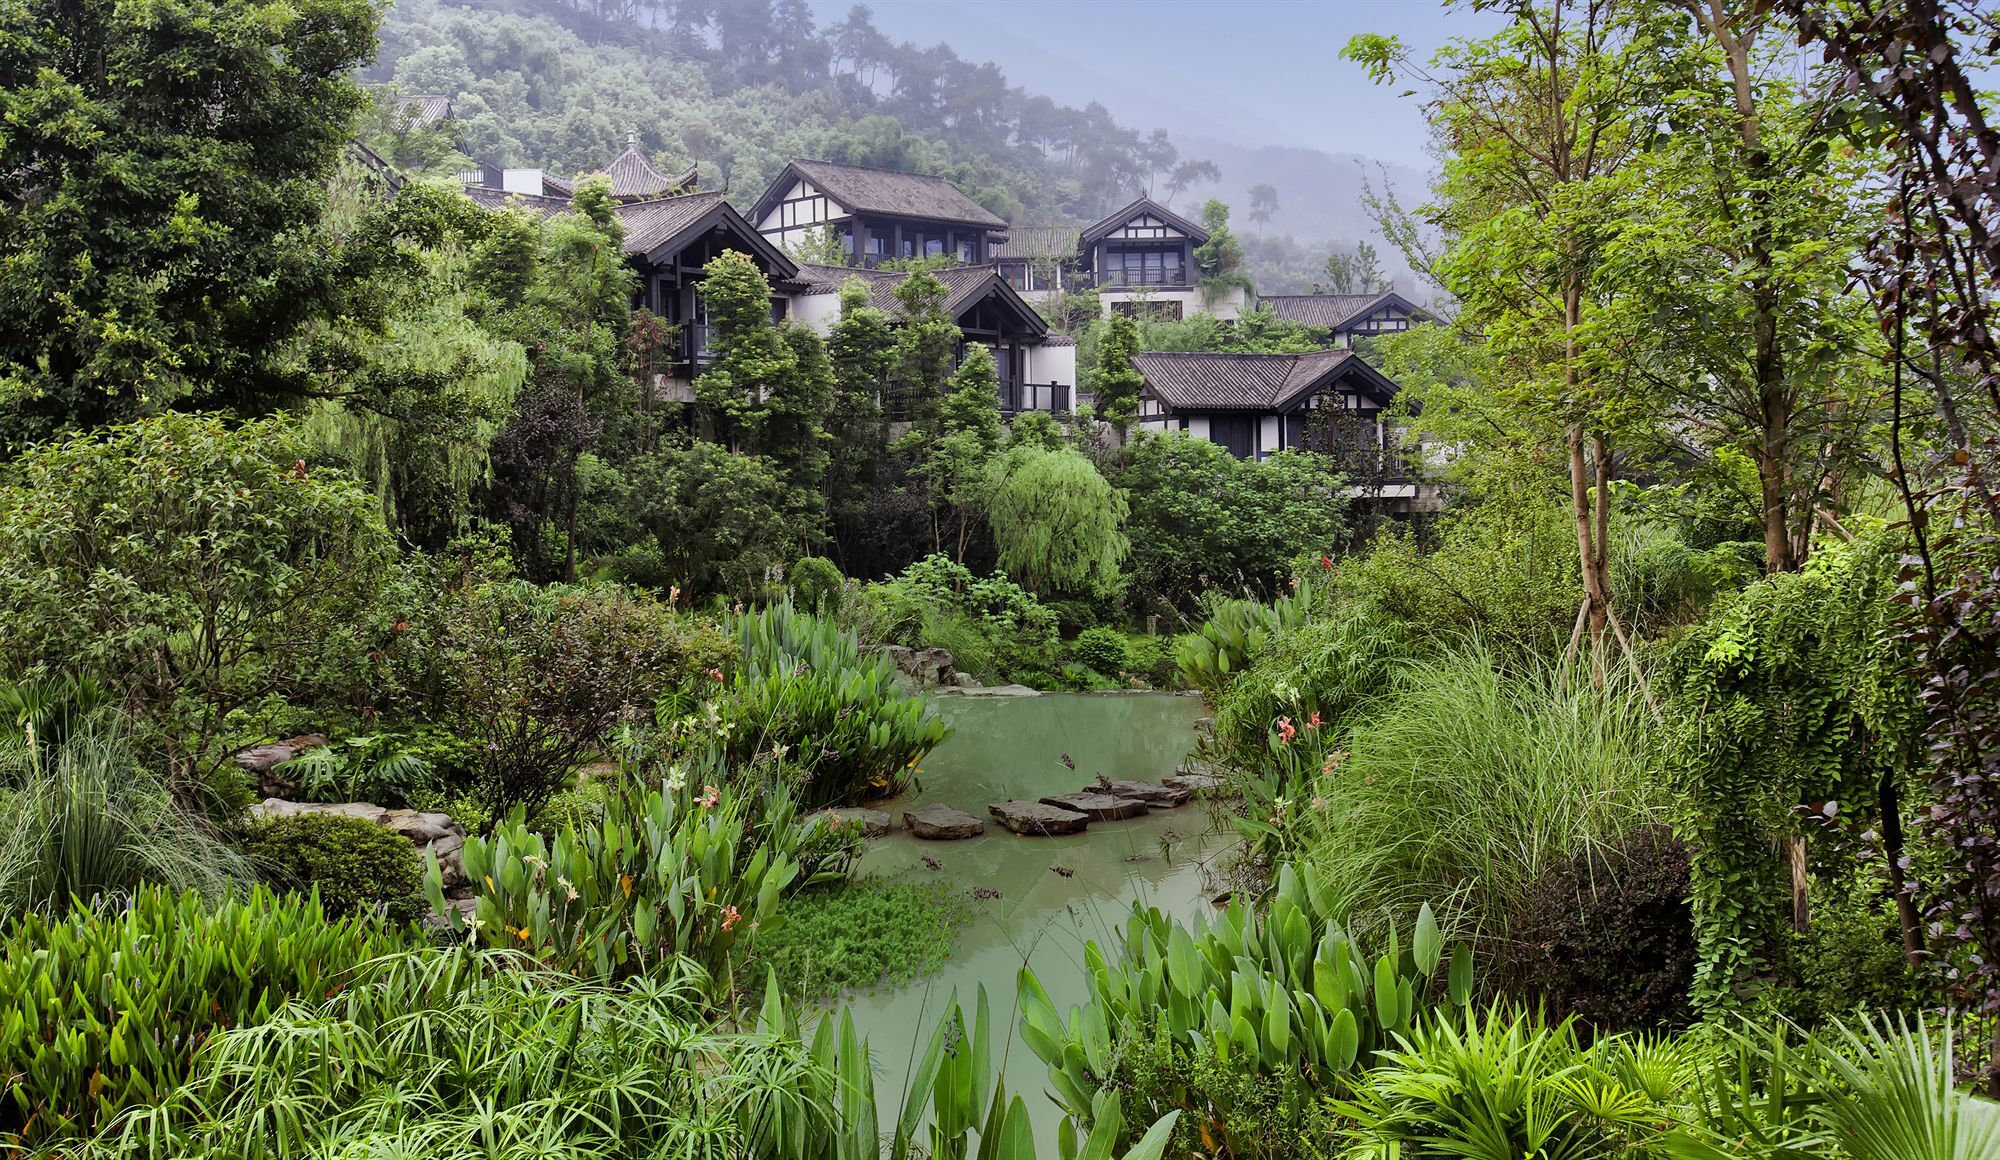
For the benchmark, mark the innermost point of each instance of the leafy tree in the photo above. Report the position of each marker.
(1263, 203)
(162, 179)
(955, 459)
(1203, 520)
(1541, 125)
(1744, 264)
(750, 359)
(1117, 381)
(861, 349)
(198, 569)
(1219, 260)
(1358, 272)
(926, 343)
(720, 522)
(823, 246)
(1189, 173)
(1056, 522)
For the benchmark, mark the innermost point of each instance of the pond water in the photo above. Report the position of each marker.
(1004, 748)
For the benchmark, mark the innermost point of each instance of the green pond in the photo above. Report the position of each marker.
(1054, 894)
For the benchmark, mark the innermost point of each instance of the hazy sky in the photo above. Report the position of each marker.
(1255, 72)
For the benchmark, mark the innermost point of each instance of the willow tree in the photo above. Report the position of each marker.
(1057, 523)
(1540, 126)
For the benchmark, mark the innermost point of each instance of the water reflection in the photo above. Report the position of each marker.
(1054, 894)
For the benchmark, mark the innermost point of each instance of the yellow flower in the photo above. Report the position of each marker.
(525, 934)
(625, 880)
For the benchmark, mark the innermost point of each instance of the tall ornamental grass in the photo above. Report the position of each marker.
(83, 819)
(1468, 783)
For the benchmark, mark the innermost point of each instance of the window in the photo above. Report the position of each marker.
(933, 245)
(965, 250)
(1148, 267)
(878, 245)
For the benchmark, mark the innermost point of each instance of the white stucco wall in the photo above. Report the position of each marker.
(1268, 434)
(1230, 304)
(1052, 364)
(819, 311)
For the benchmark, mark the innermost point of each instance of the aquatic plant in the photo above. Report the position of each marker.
(105, 1009)
(678, 872)
(808, 707)
(1285, 992)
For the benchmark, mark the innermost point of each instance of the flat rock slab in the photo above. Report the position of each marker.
(938, 822)
(1098, 807)
(1152, 793)
(1194, 782)
(873, 823)
(279, 808)
(420, 827)
(1037, 818)
(1002, 691)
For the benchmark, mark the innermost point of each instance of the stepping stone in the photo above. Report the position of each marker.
(1152, 793)
(1194, 783)
(1098, 807)
(1035, 818)
(938, 822)
(873, 823)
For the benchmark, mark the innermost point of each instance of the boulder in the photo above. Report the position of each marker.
(874, 823)
(1038, 818)
(1152, 793)
(419, 827)
(938, 822)
(1002, 691)
(1098, 807)
(1193, 782)
(449, 852)
(279, 808)
(968, 681)
(261, 762)
(929, 668)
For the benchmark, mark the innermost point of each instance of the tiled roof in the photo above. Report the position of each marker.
(1038, 242)
(648, 224)
(422, 111)
(1333, 311)
(634, 178)
(887, 191)
(1206, 381)
(964, 284)
(1144, 205)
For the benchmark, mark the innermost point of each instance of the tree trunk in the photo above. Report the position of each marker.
(1890, 803)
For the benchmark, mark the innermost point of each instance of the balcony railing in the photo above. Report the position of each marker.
(1018, 397)
(694, 343)
(1121, 279)
(900, 406)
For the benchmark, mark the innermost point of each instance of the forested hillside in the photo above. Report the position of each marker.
(740, 88)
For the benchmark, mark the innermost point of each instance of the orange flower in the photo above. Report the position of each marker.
(625, 880)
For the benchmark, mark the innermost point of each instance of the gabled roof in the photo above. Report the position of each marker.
(1096, 231)
(659, 228)
(1038, 242)
(966, 286)
(1208, 381)
(1334, 311)
(422, 111)
(633, 178)
(881, 191)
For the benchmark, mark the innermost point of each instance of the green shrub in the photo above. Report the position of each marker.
(577, 808)
(188, 563)
(859, 935)
(1606, 935)
(106, 1008)
(1332, 667)
(1152, 657)
(539, 676)
(1279, 993)
(1001, 630)
(815, 585)
(682, 872)
(355, 864)
(1849, 961)
(1236, 633)
(1102, 649)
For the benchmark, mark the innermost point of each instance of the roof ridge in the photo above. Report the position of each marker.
(872, 168)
